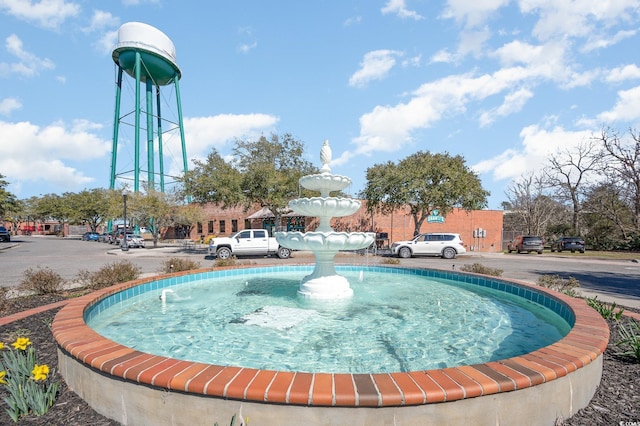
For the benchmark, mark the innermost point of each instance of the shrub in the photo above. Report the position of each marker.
(42, 281)
(231, 261)
(390, 261)
(630, 338)
(563, 285)
(177, 264)
(481, 269)
(608, 311)
(4, 300)
(114, 273)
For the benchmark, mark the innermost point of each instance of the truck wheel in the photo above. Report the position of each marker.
(284, 253)
(223, 253)
(404, 252)
(449, 253)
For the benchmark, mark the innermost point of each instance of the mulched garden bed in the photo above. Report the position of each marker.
(616, 401)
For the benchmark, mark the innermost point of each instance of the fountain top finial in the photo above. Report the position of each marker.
(325, 156)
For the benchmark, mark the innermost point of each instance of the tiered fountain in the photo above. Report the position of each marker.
(324, 242)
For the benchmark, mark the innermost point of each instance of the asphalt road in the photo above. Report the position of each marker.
(610, 280)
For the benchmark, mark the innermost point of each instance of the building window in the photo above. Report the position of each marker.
(199, 227)
(234, 225)
(210, 227)
(222, 225)
(247, 224)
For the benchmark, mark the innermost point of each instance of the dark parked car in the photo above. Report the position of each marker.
(4, 234)
(90, 236)
(526, 243)
(568, 243)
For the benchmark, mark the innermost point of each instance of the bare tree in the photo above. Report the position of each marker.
(568, 173)
(623, 165)
(534, 209)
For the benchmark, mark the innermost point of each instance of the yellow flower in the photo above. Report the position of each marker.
(2, 374)
(1, 345)
(21, 343)
(40, 372)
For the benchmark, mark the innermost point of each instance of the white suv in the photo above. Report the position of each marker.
(441, 244)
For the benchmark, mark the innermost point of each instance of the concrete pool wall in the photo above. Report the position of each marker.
(136, 388)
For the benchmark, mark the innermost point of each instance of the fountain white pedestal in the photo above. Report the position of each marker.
(325, 243)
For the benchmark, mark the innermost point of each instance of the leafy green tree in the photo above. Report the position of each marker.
(156, 211)
(425, 182)
(90, 206)
(264, 171)
(8, 201)
(214, 181)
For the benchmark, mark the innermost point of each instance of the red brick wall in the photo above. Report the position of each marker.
(398, 226)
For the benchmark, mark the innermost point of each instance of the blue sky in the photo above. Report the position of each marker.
(502, 83)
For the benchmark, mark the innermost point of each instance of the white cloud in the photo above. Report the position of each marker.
(399, 8)
(564, 18)
(627, 107)
(604, 41)
(375, 66)
(28, 64)
(245, 48)
(7, 105)
(205, 133)
(627, 72)
(107, 42)
(49, 151)
(472, 13)
(352, 21)
(101, 20)
(537, 145)
(513, 102)
(46, 13)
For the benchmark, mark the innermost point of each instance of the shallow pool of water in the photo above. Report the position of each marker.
(393, 323)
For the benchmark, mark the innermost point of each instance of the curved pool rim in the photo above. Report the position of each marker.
(133, 387)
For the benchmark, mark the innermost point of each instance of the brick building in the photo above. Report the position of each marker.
(481, 230)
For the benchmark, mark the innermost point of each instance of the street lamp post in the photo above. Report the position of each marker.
(124, 245)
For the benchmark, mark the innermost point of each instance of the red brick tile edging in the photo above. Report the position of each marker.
(586, 341)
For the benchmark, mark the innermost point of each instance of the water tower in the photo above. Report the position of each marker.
(147, 55)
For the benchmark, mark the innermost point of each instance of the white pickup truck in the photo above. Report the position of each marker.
(250, 242)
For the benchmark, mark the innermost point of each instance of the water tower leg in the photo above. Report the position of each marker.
(184, 146)
(116, 130)
(136, 160)
(150, 150)
(160, 151)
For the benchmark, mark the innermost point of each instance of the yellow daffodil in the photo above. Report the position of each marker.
(40, 372)
(1, 345)
(2, 374)
(21, 343)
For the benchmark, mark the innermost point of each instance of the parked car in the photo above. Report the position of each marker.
(134, 240)
(116, 237)
(104, 238)
(90, 236)
(4, 234)
(527, 243)
(568, 243)
(443, 244)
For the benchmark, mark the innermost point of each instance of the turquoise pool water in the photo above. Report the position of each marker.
(394, 322)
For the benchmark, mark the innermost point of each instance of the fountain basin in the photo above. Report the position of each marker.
(133, 387)
(325, 241)
(325, 207)
(324, 183)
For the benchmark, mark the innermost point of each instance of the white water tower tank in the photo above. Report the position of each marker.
(156, 49)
